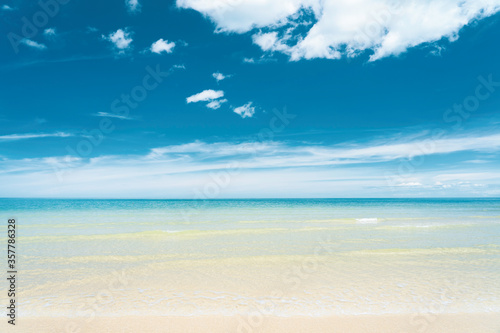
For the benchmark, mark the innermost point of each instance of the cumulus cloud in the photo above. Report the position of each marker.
(121, 40)
(133, 6)
(246, 110)
(7, 8)
(336, 28)
(162, 46)
(205, 96)
(33, 44)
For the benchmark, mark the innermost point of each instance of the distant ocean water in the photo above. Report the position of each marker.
(378, 250)
(414, 223)
(69, 217)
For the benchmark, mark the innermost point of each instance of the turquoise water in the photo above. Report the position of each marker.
(383, 255)
(58, 213)
(294, 224)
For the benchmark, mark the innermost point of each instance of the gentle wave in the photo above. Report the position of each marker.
(369, 220)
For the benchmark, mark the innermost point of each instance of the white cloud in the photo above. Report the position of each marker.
(111, 115)
(410, 184)
(181, 66)
(214, 105)
(344, 27)
(121, 40)
(246, 110)
(267, 154)
(259, 169)
(7, 8)
(33, 44)
(260, 60)
(205, 96)
(213, 97)
(219, 76)
(133, 6)
(162, 46)
(477, 161)
(49, 32)
(243, 15)
(15, 137)
(268, 41)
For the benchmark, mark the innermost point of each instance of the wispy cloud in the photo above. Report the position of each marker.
(287, 169)
(33, 44)
(15, 137)
(54, 61)
(7, 8)
(261, 60)
(214, 105)
(133, 6)
(112, 115)
(268, 154)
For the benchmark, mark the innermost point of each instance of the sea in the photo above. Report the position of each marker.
(281, 257)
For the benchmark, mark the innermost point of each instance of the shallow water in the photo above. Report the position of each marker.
(283, 257)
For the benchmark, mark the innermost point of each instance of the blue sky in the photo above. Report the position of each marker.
(237, 98)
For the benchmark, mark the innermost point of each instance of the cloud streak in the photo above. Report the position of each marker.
(286, 169)
(112, 115)
(33, 44)
(279, 154)
(26, 136)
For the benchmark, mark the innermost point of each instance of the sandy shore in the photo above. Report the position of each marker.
(417, 323)
(285, 272)
(207, 295)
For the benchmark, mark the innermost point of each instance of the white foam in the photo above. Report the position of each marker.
(370, 220)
